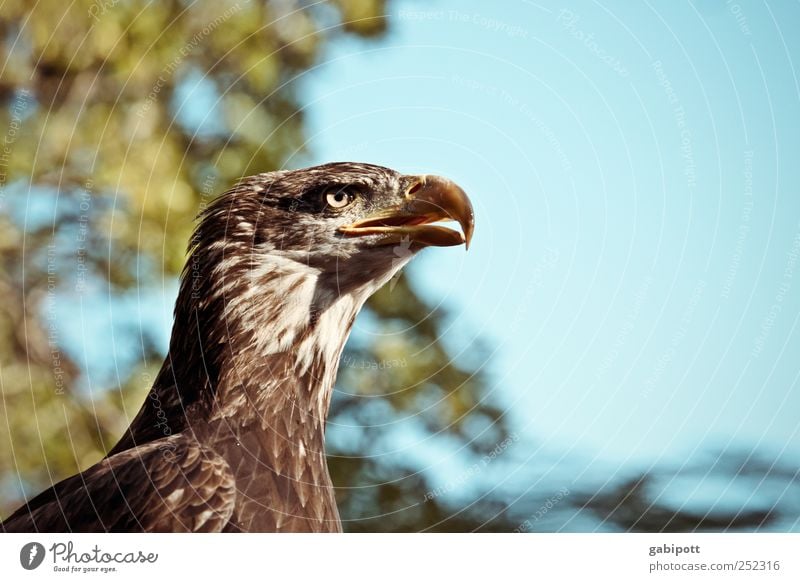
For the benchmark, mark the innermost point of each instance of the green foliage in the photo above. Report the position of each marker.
(92, 93)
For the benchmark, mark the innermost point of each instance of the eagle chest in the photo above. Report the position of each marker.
(282, 484)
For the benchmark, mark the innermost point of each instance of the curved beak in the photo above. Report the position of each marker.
(428, 199)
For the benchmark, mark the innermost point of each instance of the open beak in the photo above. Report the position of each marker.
(429, 199)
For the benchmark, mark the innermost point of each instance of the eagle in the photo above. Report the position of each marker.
(231, 436)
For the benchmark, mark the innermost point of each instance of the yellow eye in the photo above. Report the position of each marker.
(338, 199)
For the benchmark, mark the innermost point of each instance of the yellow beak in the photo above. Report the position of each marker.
(429, 199)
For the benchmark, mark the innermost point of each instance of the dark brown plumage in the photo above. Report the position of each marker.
(231, 435)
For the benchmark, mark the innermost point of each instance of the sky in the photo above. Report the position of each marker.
(634, 172)
(633, 167)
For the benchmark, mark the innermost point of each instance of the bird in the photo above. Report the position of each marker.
(231, 435)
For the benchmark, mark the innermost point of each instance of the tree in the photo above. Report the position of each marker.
(105, 163)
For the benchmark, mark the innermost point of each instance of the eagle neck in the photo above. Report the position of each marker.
(255, 347)
(271, 401)
(285, 327)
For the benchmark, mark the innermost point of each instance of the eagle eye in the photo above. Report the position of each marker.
(338, 199)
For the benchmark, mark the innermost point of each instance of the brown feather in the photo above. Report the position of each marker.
(231, 435)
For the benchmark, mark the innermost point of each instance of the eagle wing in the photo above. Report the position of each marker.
(168, 485)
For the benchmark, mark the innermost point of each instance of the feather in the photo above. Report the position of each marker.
(231, 435)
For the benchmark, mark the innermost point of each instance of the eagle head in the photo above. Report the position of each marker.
(279, 267)
(283, 250)
(351, 221)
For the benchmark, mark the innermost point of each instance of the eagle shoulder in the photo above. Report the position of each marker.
(168, 485)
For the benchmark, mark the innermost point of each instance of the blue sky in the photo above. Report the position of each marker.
(634, 171)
